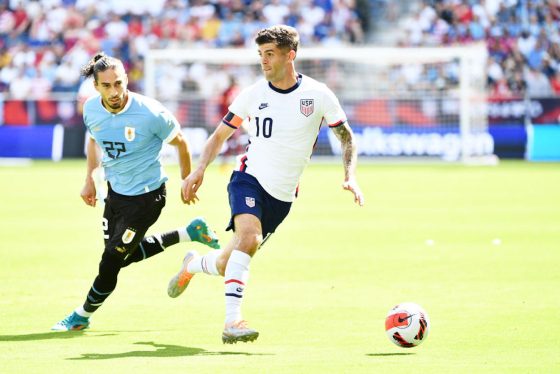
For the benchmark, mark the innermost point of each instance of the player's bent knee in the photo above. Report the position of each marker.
(250, 243)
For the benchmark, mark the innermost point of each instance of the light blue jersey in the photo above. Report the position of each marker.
(131, 141)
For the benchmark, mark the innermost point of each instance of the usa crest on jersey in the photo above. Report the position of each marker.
(306, 107)
(129, 133)
(250, 201)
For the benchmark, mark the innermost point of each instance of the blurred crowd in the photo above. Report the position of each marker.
(522, 38)
(43, 43)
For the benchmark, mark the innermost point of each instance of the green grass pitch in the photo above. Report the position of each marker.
(477, 247)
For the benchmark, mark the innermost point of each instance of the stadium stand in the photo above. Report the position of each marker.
(43, 43)
(522, 38)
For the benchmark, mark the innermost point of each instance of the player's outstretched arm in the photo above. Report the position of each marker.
(212, 148)
(185, 160)
(349, 159)
(88, 192)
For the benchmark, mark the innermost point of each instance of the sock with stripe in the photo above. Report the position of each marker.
(236, 277)
(154, 244)
(105, 282)
(205, 264)
(94, 300)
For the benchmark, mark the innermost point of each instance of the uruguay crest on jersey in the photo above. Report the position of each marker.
(306, 107)
(129, 133)
(128, 235)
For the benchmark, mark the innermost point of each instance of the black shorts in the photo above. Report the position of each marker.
(127, 218)
(246, 195)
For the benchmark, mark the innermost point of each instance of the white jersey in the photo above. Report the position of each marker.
(283, 128)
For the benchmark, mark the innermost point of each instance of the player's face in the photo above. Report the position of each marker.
(111, 84)
(274, 62)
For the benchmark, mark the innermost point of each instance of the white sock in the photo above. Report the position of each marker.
(81, 312)
(236, 277)
(205, 264)
(183, 235)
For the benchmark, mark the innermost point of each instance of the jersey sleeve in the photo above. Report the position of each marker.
(168, 126)
(238, 109)
(332, 111)
(85, 116)
(86, 123)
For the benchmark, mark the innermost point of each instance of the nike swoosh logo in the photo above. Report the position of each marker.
(262, 106)
(401, 320)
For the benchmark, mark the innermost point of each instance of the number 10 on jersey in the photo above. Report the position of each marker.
(266, 127)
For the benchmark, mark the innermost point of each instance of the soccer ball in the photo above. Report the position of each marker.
(407, 325)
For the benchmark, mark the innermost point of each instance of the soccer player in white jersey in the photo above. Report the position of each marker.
(285, 111)
(129, 129)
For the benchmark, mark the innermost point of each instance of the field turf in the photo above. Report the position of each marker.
(477, 247)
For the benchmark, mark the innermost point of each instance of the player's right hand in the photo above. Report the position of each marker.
(89, 193)
(352, 185)
(190, 185)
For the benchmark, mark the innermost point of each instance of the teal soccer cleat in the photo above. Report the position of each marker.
(74, 322)
(199, 232)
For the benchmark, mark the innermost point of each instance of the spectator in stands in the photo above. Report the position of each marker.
(537, 83)
(517, 84)
(275, 11)
(20, 85)
(234, 145)
(555, 83)
(7, 21)
(494, 71)
(210, 30)
(500, 89)
(7, 74)
(67, 78)
(86, 90)
(5, 55)
(41, 87)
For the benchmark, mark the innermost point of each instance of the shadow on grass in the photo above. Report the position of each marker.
(390, 354)
(162, 350)
(46, 336)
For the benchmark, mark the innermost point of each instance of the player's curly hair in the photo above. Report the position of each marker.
(284, 37)
(99, 63)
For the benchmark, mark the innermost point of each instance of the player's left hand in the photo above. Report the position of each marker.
(188, 202)
(352, 186)
(190, 185)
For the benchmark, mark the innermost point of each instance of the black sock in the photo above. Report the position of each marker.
(151, 246)
(169, 238)
(104, 283)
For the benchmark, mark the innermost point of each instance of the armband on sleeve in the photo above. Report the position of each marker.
(232, 120)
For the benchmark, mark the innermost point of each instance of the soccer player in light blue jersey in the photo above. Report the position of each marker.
(127, 131)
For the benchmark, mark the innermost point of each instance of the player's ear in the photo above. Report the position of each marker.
(292, 55)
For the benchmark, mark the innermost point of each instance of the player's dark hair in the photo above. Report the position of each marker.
(284, 37)
(99, 63)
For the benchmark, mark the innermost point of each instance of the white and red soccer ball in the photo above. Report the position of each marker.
(407, 325)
